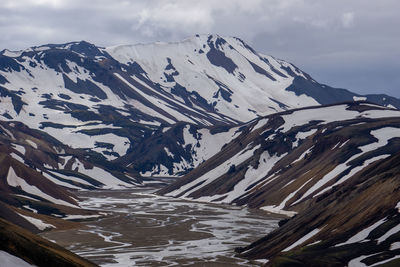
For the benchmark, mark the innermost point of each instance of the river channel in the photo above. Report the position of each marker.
(143, 229)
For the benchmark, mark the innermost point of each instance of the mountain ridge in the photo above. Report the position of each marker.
(332, 169)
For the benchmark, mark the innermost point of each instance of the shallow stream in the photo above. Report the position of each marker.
(143, 229)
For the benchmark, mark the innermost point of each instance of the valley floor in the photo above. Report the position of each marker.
(144, 229)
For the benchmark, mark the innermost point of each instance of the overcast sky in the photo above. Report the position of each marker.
(353, 44)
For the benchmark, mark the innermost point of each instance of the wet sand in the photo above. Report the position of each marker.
(142, 229)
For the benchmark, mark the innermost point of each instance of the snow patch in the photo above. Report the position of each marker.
(17, 157)
(215, 173)
(33, 144)
(169, 154)
(104, 177)
(389, 233)
(252, 176)
(383, 135)
(39, 224)
(303, 239)
(354, 171)
(278, 210)
(260, 124)
(359, 98)
(8, 260)
(80, 217)
(302, 156)
(362, 235)
(15, 181)
(19, 148)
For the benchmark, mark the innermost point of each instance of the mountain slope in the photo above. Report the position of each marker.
(336, 167)
(356, 225)
(36, 170)
(35, 250)
(177, 149)
(269, 153)
(107, 100)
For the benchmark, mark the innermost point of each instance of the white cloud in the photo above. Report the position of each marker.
(348, 19)
(12, 4)
(184, 17)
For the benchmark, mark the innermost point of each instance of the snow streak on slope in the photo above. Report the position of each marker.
(102, 176)
(239, 82)
(215, 173)
(303, 239)
(293, 143)
(196, 146)
(15, 181)
(39, 224)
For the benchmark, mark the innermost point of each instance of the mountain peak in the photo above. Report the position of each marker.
(82, 47)
(196, 40)
(85, 48)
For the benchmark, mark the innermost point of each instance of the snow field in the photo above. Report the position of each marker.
(8, 260)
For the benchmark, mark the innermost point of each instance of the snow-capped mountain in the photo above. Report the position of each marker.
(108, 99)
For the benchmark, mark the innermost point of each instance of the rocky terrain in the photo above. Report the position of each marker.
(22, 248)
(334, 168)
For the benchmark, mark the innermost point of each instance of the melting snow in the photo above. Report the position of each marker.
(168, 152)
(39, 224)
(385, 261)
(260, 124)
(29, 208)
(80, 217)
(17, 157)
(56, 181)
(279, 210)
(33, 144)
(266, 163)
(19, 148)
(357, 262)
(15, 181)
(4, 129)
(383, 135)
(354, 171)
(213, 174)
(303, 239)
(327, 114)
(303, 155)
(389, 233)
(359, 98)
(331, 114)
(395, 245)
(105, 178)
(362, 235)
(303, 135)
